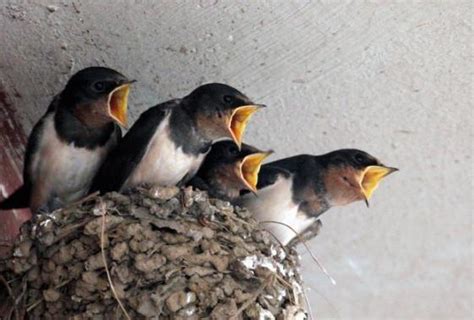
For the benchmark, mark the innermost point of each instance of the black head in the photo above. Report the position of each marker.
(220, 111)
(97, 93)
(357, 159)
(93, 83)
(227, 152)
(227, 167)
(215, 98)
(351, 175)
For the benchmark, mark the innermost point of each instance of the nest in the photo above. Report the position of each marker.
(164, 253)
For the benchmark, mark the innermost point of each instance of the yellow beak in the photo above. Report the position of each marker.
(250, 167)
(239, 119)
(117, 104)
(371, 177)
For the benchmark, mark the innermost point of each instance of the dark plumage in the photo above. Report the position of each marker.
(168, 143)
(297, 190)
(227, 170)
(69, 143)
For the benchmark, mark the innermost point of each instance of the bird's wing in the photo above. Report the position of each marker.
(121, 161)
(290, 164)
(294, 166)
(21, 197)
(32, 147)
(18, 199)
(268, 175)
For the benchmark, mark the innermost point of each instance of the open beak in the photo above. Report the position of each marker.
(239, 119)
(250, 167)
(117, 104)
(370, 179)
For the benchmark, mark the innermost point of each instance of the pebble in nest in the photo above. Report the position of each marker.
(164, 253)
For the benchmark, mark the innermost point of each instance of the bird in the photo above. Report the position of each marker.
(293, 192)
(168, 142)
(71, 140)
(226, 170)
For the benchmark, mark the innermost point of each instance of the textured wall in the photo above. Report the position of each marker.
(392, 78)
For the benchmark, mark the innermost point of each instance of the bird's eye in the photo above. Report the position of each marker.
(359, 158)
(228, 99)
(99, 86)
(233, 150)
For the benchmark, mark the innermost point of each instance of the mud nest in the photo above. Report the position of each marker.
(164, 253)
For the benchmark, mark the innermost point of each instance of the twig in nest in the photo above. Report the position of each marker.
(286, 283)
(13, 280)
(82, 200)
(62, 284)
(254, 296)
(71, 229)
(37, 302)
(242, 221)
(283, 281)
(308, 234)
(279, 242)
(287, 253)
(102, 235)
(237, 219)
(308, 304)
(313, 256)
(33, 305)
(23, 296)
(10, 293)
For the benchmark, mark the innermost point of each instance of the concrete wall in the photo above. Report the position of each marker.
(390, 77)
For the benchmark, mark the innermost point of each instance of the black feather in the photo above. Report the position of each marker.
(18, 199)
(121, 162)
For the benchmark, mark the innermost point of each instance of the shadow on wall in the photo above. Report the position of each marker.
(12, 142)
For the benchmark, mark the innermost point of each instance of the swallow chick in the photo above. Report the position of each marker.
(295, 191)
(226, 170)
(70, 142)
(168, 143)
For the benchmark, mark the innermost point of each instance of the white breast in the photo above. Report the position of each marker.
(61, 170)
(275, 203)
(164, 163)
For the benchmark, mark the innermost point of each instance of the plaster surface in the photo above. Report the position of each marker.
(393, 78)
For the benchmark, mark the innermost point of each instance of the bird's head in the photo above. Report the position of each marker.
(236, 168)
(221, 111)
(98, 95)
(352, 175)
